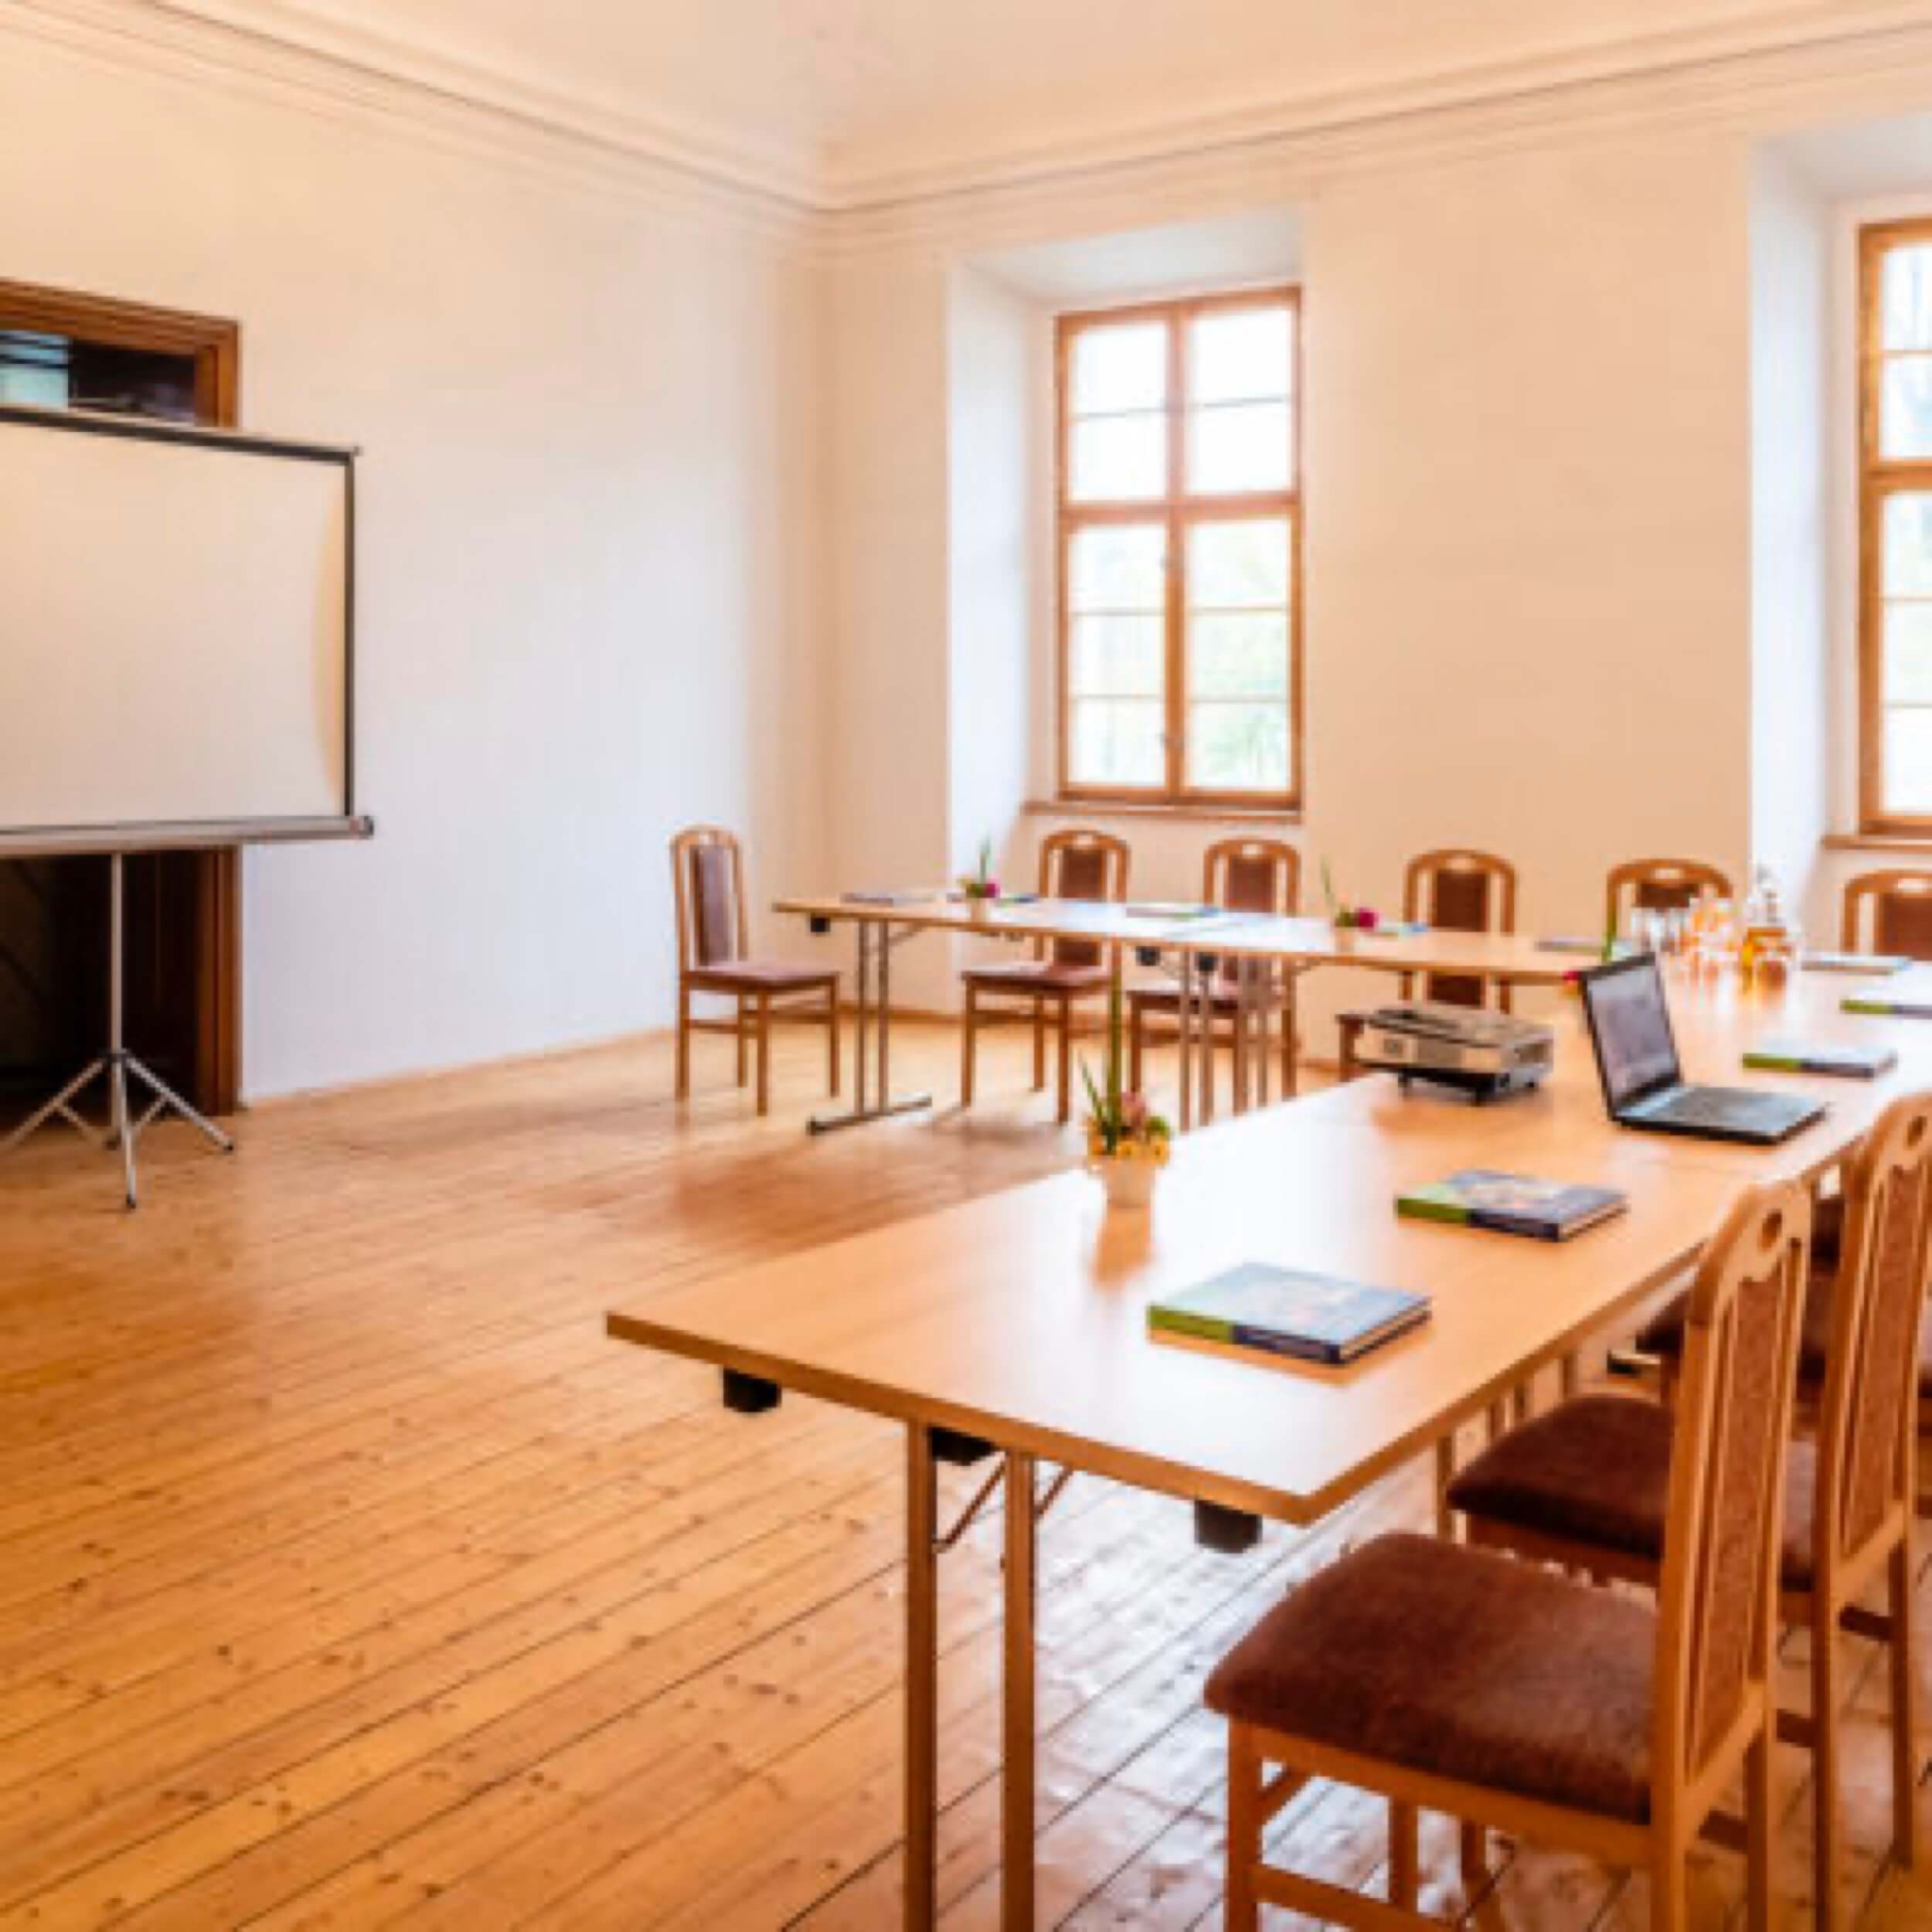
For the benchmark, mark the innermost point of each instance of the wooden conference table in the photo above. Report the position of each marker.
(1257, 945)
(1015, 1326)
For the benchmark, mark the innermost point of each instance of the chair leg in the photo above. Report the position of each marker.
(1445, 1475)
(764, 1054)
(1289, 1070)
(742, 1041)
(1403, 1855)
(1824, 1767)
(1136, 1047)
(1039, 1044)
(1760, 1805)
(832, 1056)
(1473, 1845)
(1905, 1751)
(684, 1043)
(1064, 1105)
(968, 1047)
(1670, 1889)
(1243, 1912)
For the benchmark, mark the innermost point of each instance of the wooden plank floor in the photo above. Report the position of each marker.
(349, 1577)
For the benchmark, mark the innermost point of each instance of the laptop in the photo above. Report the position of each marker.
(1644, 1085)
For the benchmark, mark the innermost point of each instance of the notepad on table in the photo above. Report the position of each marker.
(914, 896)
(1783, 1056)
(1289, 1311)
(1854, 962)
(1914, 1005)
(1480, 1197)
(1173, 908)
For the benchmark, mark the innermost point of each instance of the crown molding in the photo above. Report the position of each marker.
(291, 50)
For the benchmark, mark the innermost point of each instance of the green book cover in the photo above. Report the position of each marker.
(1782, 1055)
(1288, 1311)
(1512, 1204)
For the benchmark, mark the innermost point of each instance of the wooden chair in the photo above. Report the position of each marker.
(1436, 1675)
(1889, 912)
(708, 873)
(1461, 892)
(1586, 1486)
(1075, 863)
(1243, 875)
(1659, 885)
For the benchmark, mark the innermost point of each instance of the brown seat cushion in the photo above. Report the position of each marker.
(762, 976)
(1048, 976)
(1596, 1470)
(1167, 999)
(1441, 1659)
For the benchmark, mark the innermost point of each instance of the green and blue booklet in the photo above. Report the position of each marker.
(1782, 1055)
(1479, 1197)
(1289, 1311)
(1915, 1003)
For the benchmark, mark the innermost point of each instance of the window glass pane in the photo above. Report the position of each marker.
(1233, 447)
(1118, 657)
(1238, 565)
(1908, 762)
(1905, 408)
(1907, 300)
(1120, 366)
(1238, 654)
(1118, 459)
(1116, 741)
(1118, 567)
(1237, 747)
(1908, 654)
(1240, 355)
(1907, 565)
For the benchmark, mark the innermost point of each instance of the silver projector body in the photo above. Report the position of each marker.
(1486, 1052)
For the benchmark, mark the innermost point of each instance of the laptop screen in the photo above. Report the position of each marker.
(1631, 1026)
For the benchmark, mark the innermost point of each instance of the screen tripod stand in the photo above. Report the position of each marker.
(119, 1069)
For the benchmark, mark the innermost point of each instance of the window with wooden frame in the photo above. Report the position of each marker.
(1895, 528)
(1179, 515)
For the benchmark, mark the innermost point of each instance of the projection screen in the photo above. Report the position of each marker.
(176, 635)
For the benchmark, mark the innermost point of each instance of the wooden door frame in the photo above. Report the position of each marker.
(215, 343)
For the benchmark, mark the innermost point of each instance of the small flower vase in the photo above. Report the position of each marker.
(1129, 1180)
(980, 905)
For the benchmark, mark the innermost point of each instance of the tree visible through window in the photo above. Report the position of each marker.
(1895, 528)
(1179, 551)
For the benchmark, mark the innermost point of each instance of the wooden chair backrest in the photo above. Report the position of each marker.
(1868, 1426)
(1717, 1606)
(1078, 862)
(1899, 907)
(1462, 892)
(708, 871)
(1251, 875)
(1660, 884)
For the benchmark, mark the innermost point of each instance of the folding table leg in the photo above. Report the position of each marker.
(922, 1680)
(1017, 1735)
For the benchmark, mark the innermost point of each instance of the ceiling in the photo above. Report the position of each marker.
(851, 96)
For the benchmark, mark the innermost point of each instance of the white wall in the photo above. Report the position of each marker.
(590, 605)
(994, 512)
(1791, 537)
(1529, 535)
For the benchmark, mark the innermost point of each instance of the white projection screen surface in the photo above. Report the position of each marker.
(175, 628)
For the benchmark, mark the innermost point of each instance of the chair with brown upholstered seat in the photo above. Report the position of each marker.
(1243, 875)
(1461, 892)
(1075, 863)
(1659, 885)
(707, 874)
(1586, 1486)
(1438, 1676)
(1889, 912)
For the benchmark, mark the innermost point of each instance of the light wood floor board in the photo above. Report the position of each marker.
(350, 1578)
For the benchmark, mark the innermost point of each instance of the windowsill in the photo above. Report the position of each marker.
(1877, 842)
(1161, 808)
